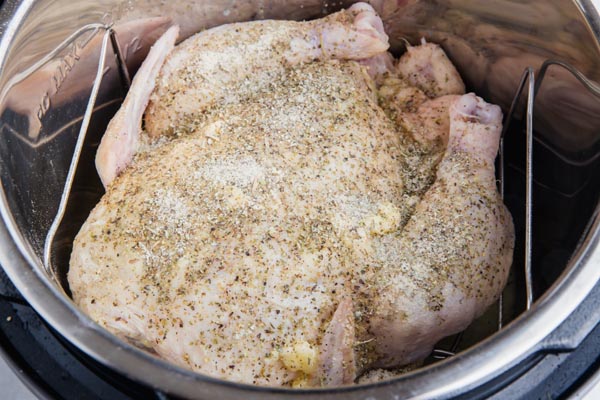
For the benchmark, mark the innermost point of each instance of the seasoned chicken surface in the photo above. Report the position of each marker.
(291, 216)
(459, 229)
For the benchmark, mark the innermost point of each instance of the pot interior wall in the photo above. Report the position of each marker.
(491, 42)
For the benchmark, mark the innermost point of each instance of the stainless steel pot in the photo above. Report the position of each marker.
(491, 42)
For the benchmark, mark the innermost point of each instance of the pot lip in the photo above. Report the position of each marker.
(475, 365)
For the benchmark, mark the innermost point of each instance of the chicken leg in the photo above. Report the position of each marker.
(453, 257)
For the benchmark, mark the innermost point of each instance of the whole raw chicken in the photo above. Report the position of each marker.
(299, 208)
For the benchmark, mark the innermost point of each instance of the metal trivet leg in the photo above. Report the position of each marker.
(109, 34)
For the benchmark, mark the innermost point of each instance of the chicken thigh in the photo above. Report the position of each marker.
(290, 216)
(460, 229)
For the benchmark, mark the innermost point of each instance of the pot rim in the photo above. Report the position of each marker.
(488, 359)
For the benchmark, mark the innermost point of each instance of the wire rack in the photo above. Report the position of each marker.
(109, 35)
(529, 85)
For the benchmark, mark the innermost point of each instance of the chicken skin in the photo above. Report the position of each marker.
(459, 229)
(297, 210)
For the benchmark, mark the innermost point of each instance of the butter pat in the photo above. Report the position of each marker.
(385, 221)
(300, 356)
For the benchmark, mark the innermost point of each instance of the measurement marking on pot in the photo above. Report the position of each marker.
(62, 70)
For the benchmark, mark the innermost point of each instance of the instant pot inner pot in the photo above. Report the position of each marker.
(47, 77)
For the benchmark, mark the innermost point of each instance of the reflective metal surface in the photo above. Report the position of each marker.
(491, 42)
(528, 78)
(109, 34)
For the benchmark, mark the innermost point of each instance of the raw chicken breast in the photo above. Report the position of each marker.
(290, 216)
(207, 68)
